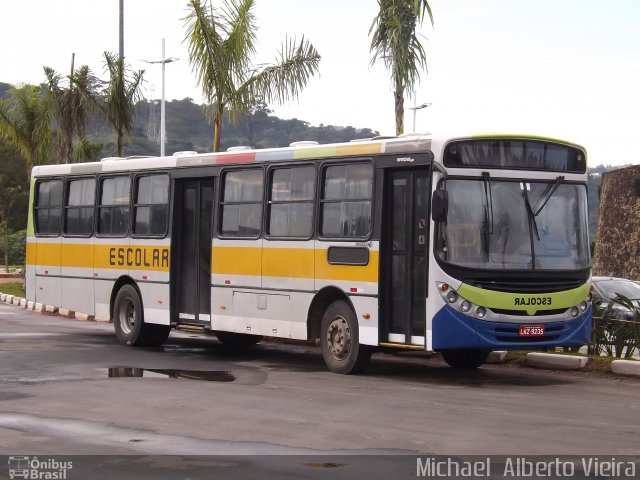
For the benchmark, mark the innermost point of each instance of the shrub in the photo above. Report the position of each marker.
(611, 335)
(17, 246)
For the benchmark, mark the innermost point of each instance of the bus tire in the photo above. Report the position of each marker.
(237, 340)
(128, 321)
(341, 349)
(465, 359)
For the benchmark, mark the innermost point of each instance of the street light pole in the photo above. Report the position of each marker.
(163, 132)
(415, 108)
(162, 117)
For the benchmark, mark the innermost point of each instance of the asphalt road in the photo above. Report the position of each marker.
(68, 388)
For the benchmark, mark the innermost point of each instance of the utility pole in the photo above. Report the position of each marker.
(121, 50)
(415, 108)
(163, 61)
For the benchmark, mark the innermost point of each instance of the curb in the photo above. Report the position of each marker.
(626, 367)
(496, 357)
(554, 361)
(84, 317)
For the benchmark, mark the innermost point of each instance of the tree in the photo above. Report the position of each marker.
(73, 98)
(14, 187)
(221, 45)
(394, 40)
(119, 98)
(25, 123)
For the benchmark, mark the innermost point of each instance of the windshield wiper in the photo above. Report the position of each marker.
(546, 195)
(527, 203)
(488, 211)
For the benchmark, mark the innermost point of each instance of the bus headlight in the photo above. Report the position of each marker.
(583, 306)
(575, 311)
(456, 301)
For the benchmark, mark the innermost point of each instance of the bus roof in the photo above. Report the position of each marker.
(404, 144)
(407, 143)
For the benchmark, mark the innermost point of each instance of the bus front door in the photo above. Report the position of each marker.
(405, 238)
(191, 251)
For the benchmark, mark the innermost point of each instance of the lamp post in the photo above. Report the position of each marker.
(163, 61)
(416, 108)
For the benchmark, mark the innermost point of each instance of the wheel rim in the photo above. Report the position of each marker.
(339, 338)
(127, 316)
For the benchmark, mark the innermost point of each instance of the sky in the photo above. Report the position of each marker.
(562, 68)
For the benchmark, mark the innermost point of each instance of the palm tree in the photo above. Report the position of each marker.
(123, 92)
(118, 99)
(25, 123)
(221, 45)
(73, 103)
(395, 41)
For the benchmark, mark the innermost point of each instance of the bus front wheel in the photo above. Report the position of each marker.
(128, 321)
(466, 359)
(341, 350)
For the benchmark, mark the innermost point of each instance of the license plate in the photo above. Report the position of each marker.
(531, 330)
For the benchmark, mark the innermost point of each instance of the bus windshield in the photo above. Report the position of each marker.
(515, 225)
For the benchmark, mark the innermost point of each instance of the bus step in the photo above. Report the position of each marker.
(190, 328)
(402, 345)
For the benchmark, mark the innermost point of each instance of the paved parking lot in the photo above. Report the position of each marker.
(68, 387)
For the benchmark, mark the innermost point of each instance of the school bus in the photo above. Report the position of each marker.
(459, 244)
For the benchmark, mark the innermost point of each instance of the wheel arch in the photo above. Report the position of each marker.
(120, 282)
(323, 298)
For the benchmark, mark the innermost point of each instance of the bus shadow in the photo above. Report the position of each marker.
(434, 372)
(306, 358)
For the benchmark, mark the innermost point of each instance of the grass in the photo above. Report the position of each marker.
(14, 288)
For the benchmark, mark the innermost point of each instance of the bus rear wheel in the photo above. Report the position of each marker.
(128, 321)
(465, 359)
(341, 349)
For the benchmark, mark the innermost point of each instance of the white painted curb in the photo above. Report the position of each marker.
(8, 299)
(38, 307)
(3, 297)
(496, 357)
(23, 302)
(553, 361)
(50, 309)
(63, 312)
(84, 317)
(626, 367)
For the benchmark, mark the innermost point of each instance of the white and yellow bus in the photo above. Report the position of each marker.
(460, 245)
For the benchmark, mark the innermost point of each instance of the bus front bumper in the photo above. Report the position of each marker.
(454, 330)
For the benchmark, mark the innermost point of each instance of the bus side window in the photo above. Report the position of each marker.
(151, 206)
(346, 201)
(241, 204)
(48, 207)
(113, 207)
(79, 208)
(292, 192)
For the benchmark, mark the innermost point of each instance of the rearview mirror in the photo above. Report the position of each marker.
(439, 205)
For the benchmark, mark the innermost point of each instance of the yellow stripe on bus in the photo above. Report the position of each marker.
(122, 257)
(289, 263)
(236, 261)
(250, 261)
(360, 273)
